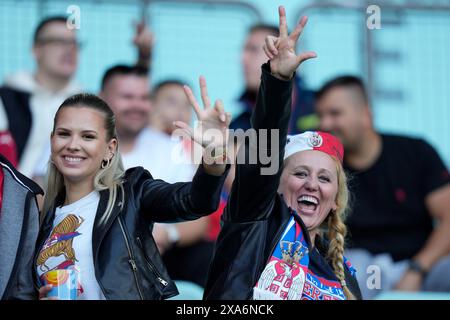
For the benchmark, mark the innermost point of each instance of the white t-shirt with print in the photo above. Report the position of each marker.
(73, 226)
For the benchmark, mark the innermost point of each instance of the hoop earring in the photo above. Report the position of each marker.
(104, 166)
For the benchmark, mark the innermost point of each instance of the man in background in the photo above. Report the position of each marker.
(399, 186)
(29, 100)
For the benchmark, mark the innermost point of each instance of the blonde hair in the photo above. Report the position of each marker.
(109, 177)
(337, 230)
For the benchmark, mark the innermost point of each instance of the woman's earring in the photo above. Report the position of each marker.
(104, 166)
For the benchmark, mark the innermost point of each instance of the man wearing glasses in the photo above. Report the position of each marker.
(28, 101)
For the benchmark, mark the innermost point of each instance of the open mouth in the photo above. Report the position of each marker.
(307, 204)
(72, 160)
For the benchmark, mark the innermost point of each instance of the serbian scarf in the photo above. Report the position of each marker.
(288, 276)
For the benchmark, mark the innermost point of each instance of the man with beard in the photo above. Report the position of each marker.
(400, 220)
(127, 90)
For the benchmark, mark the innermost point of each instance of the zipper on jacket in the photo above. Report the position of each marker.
(151, 266)
(131, 256)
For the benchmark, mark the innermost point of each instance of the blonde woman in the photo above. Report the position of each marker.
(97, 218)
(283, 234)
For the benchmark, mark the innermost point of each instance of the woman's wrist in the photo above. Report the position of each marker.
(214, 161)
(214, 169)
(282, 77)
(416, 266)
(216, 155)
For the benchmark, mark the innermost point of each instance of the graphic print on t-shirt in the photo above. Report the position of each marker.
(60, 243)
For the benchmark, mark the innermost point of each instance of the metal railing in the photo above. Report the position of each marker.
(368, 38)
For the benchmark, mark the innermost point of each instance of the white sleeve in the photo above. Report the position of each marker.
(185, 170)
(40, 169)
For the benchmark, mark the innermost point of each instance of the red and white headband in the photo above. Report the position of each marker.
(314, 140)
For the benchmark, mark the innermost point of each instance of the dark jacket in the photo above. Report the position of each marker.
(18, 112)
(126, 260)
(256, 215)
(19, 226)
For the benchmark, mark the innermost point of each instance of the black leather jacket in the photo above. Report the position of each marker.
(256, 215)
(126, 260)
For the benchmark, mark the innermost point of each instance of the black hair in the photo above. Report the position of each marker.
(345, 81)
(44, 23)
(123, 70)
(273, 30)
(168, 82)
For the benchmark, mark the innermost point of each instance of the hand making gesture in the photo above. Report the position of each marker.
(281, 50)
(211, 131)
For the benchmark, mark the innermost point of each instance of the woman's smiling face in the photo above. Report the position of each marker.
(309, 184)
(79, 143)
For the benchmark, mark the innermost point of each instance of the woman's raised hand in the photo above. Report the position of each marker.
(213, 122)
(281, 50)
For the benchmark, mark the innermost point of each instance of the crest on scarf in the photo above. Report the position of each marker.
(315, 140)
(287, 274)
(292, 251)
